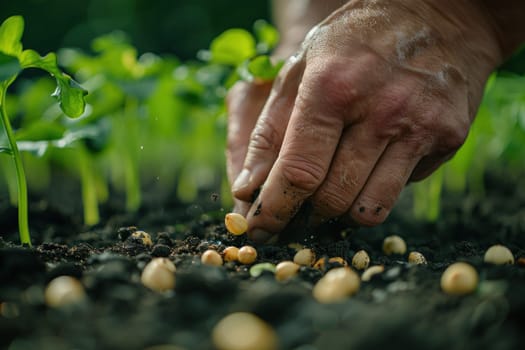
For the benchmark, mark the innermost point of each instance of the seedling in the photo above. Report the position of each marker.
(257, 269)
(13, 60)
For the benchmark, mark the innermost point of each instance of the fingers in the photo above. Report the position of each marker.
(310, 142)
(355, 158)
(385, 183)
(245, 102)
(268, 133)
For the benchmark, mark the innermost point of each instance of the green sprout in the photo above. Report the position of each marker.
(13, 60)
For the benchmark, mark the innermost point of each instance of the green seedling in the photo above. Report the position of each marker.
(13, 60)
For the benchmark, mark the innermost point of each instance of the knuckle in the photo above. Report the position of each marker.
(333, 201)
(302, 174)
(330, 80)
(453, 138)
(264, 137)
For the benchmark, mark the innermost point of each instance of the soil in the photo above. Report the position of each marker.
(401, 308)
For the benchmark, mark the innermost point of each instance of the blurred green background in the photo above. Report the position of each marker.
(147, 109)
(164, 27)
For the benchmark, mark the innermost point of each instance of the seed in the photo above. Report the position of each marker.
(361, 260)
(336, 285)
(64, 290)
(159, 275)
(305, 257)
(417, 258)
(394, 245)
(285, 270)
(244, 331)
(295, 246)
(499, 255)
(257, 270)
(235, 223)
(338, 260)
(371, 271)
(211, 257)
(459, 279)
(144, 237)
(230, 253)
(247, 255)
(320, 264)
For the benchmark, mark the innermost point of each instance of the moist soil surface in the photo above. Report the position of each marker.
(404, 307)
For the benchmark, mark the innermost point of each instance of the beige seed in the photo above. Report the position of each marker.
(144, 237)
(320, 264)
(305, 257)
(338, 260)
(159, 275)
(230, 253)
(394, 245)
(336, 285)
(371, 271)
(285, 270)
(459, 279)
(361, 260)
(64, 290)
(417, 258)
(235, 223)
(295, 246)
(244, 331)
(247, 255)
(211, 257)
(499, 255)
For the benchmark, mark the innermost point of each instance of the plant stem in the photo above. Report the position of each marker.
(427, 197)
(89, 187)
(23, 221)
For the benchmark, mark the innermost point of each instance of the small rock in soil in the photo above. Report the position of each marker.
(160, 250)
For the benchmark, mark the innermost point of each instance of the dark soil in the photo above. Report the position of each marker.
(402, 308)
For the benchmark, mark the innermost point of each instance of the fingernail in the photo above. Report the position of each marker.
(260, 236)
(241, 180)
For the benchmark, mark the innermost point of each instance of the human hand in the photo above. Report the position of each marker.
(381, 93)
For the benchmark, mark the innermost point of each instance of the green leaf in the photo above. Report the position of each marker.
(11, 32)
(267, 36)
(32, 59)
(70, 96)
(9, 67)
(6, 150)
(40, 130)
(69, 93)
(233, 47)
(260, 68)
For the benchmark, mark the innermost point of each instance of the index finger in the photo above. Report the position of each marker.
(310, 141)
